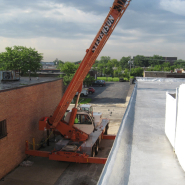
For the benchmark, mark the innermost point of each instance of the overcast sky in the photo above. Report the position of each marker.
(64, 29)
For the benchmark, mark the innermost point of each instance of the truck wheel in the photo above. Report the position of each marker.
(97, 147)
(106, 129)
(93, 153)
(81, 95)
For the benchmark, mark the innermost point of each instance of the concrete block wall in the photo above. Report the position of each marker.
(155, 74)
(174, 123)
(170, 117)
(180, 128)
(162, 74)
(22, 108)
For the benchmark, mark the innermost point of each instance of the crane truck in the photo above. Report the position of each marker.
(81, 130)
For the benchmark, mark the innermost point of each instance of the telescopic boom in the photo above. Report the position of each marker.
(116, 11)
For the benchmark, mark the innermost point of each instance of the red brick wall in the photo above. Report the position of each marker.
(22, 108)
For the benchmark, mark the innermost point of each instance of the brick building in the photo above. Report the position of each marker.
(21, 108)
(163, 74)
(171, 60)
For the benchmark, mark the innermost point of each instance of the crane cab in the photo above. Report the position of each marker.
(97, 116)
(87, 108)
(83, 121)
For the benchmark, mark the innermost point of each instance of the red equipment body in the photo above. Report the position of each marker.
(67, 129)
(55, 122)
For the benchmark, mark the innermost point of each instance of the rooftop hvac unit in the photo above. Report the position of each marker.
(7, 75)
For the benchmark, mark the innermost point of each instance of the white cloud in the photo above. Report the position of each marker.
(69, 14)
(65, 29)
(103, 3)
(49, 10)
(174, 6)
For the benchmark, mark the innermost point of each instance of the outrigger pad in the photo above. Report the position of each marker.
(67, 145)
(70, 148)
(61, 143)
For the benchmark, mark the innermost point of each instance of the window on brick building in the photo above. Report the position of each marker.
(3, 130)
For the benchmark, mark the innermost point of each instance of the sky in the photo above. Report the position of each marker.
(64, 29)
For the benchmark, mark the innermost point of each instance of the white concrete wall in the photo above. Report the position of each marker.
(170, 118)
(180, 129)
(175, 123)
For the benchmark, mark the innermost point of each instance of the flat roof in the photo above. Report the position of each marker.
(85, 105)
(24, 81)
(141, 153)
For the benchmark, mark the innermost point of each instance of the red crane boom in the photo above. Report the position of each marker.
(82, 146)
(116, 11)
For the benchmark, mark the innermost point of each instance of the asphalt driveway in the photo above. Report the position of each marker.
(113, 92)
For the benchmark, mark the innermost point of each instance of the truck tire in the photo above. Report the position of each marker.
(106, 129)
(93, 153)
(82, 95)
(97, 147)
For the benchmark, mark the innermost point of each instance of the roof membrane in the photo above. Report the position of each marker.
(141, 153)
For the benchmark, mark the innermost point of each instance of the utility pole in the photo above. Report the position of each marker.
(29, 74)
(130, 62)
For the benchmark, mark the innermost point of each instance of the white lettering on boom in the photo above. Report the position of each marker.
(104, 31)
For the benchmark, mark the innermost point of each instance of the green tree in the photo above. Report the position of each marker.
(109, 69)
(136, 72)
(114, 62)
(156, 60)
(20, 58)
(126, 74)
(119, 71)
(88, 80)
(124, 63)
(180, 63)
(157, 68)
(173, 67)
(141, 61)
(96, 64)
(100, 68)
(104, 59)
(166, 69)
(68, 68)
(166, 66)
(67, 78)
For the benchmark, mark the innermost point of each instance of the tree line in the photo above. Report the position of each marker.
(125, 67)
(154, 63)
(23, 59)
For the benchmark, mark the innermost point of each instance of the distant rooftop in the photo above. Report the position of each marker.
(24, 81)
(47, 63)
